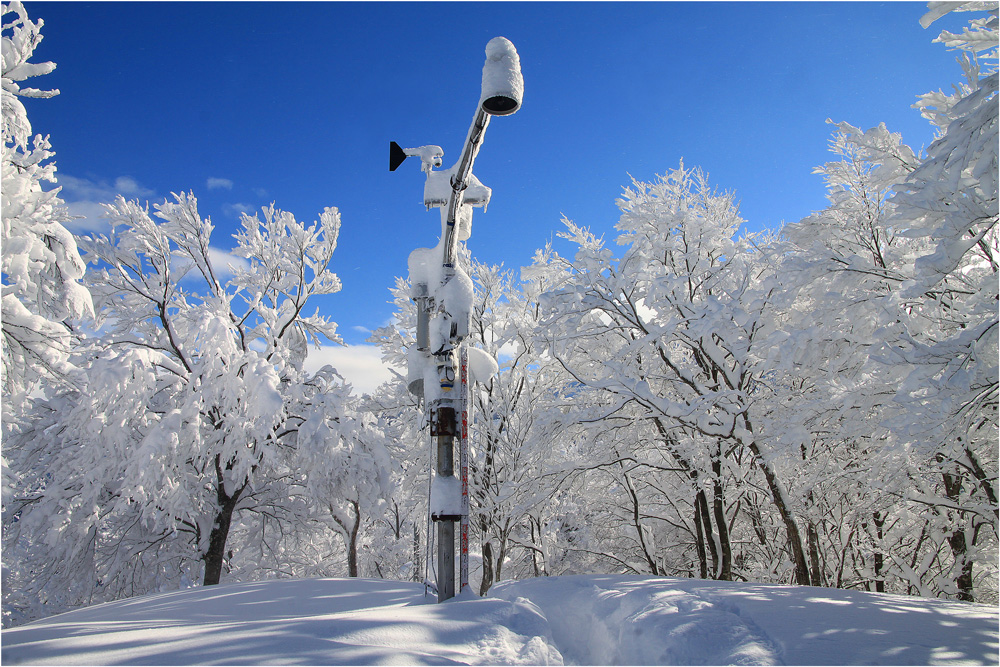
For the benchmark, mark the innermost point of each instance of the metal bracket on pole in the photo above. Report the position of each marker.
(443, 421)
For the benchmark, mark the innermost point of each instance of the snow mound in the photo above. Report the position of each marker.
(609, 621)
(291, 622)
(623, 620)
(587, 619)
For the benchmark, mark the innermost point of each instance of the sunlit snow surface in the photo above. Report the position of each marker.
(577, 620)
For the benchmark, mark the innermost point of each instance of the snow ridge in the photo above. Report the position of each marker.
(606, 621)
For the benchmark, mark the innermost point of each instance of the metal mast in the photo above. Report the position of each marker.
(443, 314)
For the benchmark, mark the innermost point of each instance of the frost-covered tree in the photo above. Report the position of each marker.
(512, 444)
(888, 352)
(350, 470)
(671, 333)
(190, 409)
(949, 308)
(405, 527)
(838, 266)
(41, 267)
(393, 543)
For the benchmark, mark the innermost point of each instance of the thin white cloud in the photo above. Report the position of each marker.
(219, 184)
(84, 196)
(361, 365)
(129, 187)
(223, 261)
(237, 209)
(88, 190)
(507, 351)
(88, 218)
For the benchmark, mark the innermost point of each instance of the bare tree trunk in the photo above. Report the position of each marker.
(350, 534)
(879, 559)
(812, 540)
(484, 586)
(637, 523)
(502, 553)
(700, 538)
(957, 542)
(214, 558)
(725, 569)
(216, 554)
(959, 549)
(536, 539)
(794, 539)
(352, 549)
(706, 525)
(843, 557)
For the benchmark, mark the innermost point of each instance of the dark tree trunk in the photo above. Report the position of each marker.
(502, 553)
(879, 556)
(725, 569)
(700, 538)
(637, 524)
(815, 571)
(792, 535)
(216, 554)
(352, 546)
(706, 526)
(816, 574)
(536, 539)
(484, 586)
(350, 534)
(959, 546)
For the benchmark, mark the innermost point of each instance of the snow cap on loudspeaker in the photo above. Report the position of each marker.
(503, 86)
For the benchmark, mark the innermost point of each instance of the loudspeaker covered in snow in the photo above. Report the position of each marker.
(503, 86)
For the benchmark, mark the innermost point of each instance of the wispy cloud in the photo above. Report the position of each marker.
(361, 365)
(507, 351)
(88, 218)
(237, 209)
(101, 191)
(84, 196)
(219, 184)
(223, 261)
(129, 187)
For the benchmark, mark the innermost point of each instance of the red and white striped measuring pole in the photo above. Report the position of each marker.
(463, 465)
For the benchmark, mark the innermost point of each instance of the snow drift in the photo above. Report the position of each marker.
(556, 620)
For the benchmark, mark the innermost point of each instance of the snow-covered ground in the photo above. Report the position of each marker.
(577, 620)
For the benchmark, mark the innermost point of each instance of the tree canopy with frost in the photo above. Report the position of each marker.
(194, 405)
(41, 266)
(813, 405)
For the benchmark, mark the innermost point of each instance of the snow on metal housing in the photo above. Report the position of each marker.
(503, 85)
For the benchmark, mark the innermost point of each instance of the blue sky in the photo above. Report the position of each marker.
(296, 102)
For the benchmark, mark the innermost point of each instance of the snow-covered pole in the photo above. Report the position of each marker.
(443, 294)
